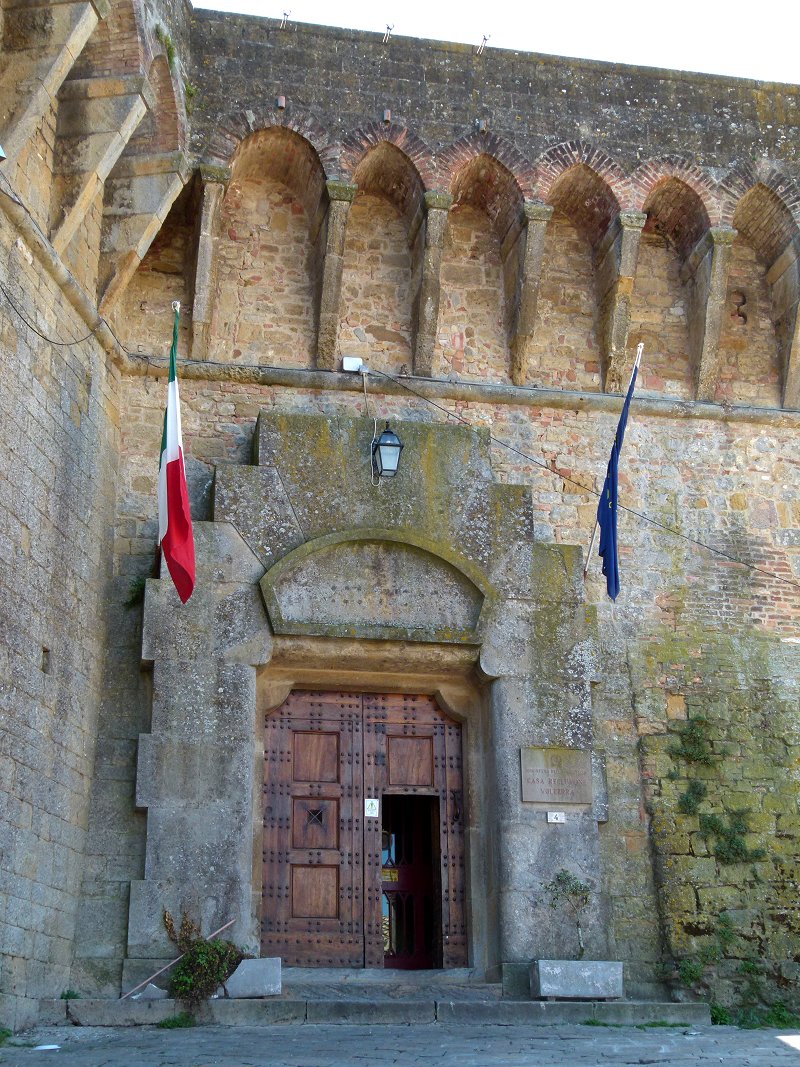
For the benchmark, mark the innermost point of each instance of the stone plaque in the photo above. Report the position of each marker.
(556, 775)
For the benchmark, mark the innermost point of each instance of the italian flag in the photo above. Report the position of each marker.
(174, 518)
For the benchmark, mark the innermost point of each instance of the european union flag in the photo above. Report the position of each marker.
(607, 508)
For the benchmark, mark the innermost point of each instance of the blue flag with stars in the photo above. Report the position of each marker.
(607, 508)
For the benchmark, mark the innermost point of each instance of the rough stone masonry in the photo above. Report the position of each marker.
(494, 251)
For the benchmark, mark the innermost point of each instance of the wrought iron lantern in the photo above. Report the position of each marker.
(386, 451)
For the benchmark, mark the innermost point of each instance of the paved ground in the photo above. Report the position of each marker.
(406, 1046)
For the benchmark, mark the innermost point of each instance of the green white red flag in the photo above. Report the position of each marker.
(174, 517)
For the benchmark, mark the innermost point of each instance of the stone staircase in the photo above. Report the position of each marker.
(378, 997)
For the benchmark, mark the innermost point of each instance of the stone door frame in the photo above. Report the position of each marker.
(448, 674)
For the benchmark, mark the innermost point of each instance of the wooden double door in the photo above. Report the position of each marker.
(363, 832)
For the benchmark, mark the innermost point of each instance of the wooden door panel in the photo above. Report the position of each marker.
(410, 760)
(324, 753)
(313, 907)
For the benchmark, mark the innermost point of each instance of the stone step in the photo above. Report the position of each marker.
(342, 984)
(375, 1012)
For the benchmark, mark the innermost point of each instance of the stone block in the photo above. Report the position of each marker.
(365, 1013)
(151, 992)
(576, 979)
(255, 978)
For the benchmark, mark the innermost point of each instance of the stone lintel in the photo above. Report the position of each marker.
(155, 163)
(341, 191)
(97, 88)
(436, 200)
(211, 173)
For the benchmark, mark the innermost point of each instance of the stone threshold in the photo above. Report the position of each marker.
(269, 1012)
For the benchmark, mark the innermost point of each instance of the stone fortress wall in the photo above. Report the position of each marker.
(504, 238)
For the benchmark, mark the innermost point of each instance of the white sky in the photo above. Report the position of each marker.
(744, 39)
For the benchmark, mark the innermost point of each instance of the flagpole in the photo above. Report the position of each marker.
(636, 362)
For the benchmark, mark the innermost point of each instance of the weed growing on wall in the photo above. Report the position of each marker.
(206, 965)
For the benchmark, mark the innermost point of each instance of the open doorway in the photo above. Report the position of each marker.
(411, 916)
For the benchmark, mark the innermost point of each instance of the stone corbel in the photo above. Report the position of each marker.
(96, 119)
(437, 206)
(32, 76)
(340, 197)
(523, 315)
(139, 193)
(214, 182)
(617, 256)
(706, 271)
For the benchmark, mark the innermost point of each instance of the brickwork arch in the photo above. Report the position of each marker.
(387, 171)
(554, 163)
(453, 160)
(762, 215)
(655, 172)
(744, 176)
(483, 182)
(117, 45)
(163, 129)
(236, 128)
(677, 212)
(586, 198)
(286, 156)
(356, 146)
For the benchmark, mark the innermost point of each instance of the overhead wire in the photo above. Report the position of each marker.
(590, 489)
(400, 381)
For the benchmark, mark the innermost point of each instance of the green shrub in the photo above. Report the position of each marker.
(690, 972)
(720, 1016)
(205, 965)
(689, 802)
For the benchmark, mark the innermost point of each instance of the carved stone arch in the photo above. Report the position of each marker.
(364, 584)
(655, 172)
(358, 144)
(554, 163)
